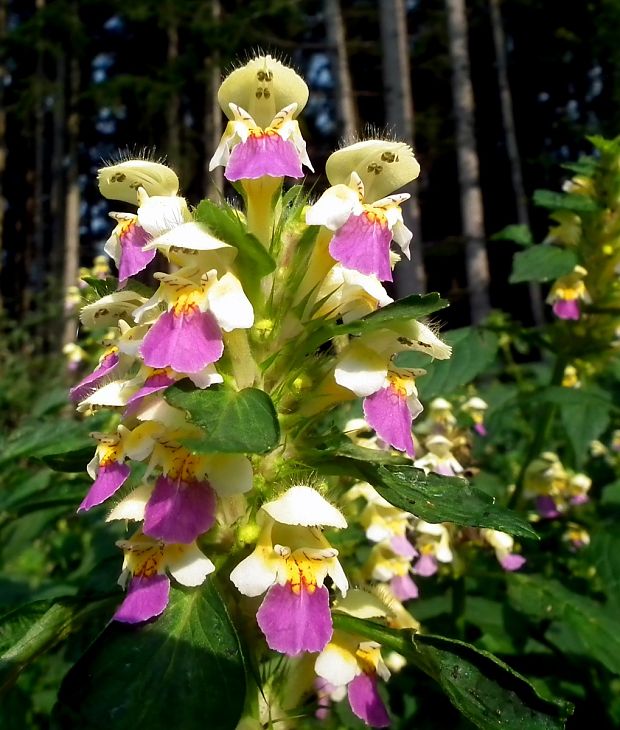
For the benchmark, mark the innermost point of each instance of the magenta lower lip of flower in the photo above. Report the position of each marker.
(294, 621)
(263, 155)
(132, 258)
(388, 412)
(90, 382)
(110, 478)
(153, 384)
(547, 508)
(404, 588)
(401, 546)
(425, 566)
(366, 702)
(512, 562)
(567, 309)
(147, 597)
(363, 244)
(186, 342)
(178, 511)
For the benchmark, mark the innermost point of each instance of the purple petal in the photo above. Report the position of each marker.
(187, 342)
(512, 561)
(267, 155)
(444, 469)
(480, 429)
(426, 566)
(87, 386)
(567, 308)
(401, 546)
(179, 511)
(153, 384)
(133, 258)
(404, 588)
(388, 413)
(145, 599)
(295, 622)
(547, 508)
(366, 702)
(579, 499)
(363, 244)
(110, 478)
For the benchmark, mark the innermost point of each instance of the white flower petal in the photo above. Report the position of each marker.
(229, 304)
(133, 505)
(402, 236)
(192, 235)
(333, 208)
(114, 394)
(188, 565)
(254, 575)
(338, 666)
(207, 377)
(229, 474)
(301, 505)
(337, 574)
(121, 181)
(107, 311)
(361, 370)
(160, 214)
(361, 604)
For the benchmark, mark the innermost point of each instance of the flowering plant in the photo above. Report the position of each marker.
(297, 468)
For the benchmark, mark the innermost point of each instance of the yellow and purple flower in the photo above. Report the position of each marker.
(291, 561)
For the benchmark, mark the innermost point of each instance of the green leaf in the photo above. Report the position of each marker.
(415, 306)
(611, 494)
(73, 461)
(253, 261)
(35, 628)
(519, 234)
(473, 350)
(41, 440)
(101, 287)
(585, 414)
(484, 689)
(596, 626)
(542, 263)
(604, 553)
(185, 670)
(431, 497)
(565, 201)
(242, 421)
(403, 310)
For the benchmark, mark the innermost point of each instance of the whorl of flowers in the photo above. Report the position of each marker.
(257, 317)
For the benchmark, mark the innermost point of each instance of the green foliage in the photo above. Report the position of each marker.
(233, 421)
(253, 260)
(564, 201)
(183, 670)
(473, 351)
(485, 690)
(519, 234)
(542, 263)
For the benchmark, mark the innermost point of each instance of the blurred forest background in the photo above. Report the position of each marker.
(503, 92)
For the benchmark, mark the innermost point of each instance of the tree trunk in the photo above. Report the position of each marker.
(36, 272)
(213, 180)
(72, 198)
(336, 39)
(512, 147)
(3, 150)
(173, 109)
(399, 116)
(472, 214)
